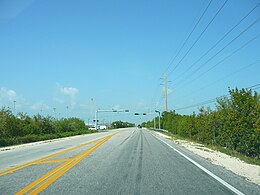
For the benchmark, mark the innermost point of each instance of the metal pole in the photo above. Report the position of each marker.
(96, 113)
(165, 92)
(154, 124)
(92, 106)
(159, 120)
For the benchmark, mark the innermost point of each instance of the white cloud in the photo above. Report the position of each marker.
(7, 94)
(40, 106)
(58, 99)
(84, 106)
(116, 107)
(70, 91)
(66, 95)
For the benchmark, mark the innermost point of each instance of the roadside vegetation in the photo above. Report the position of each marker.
(233, 127)
(121, 124)
(23, 128)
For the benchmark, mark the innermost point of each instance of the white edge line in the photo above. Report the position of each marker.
(204, 169)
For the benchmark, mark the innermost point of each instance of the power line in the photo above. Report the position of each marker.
(184, 43)
(228, 56)
(254, 87)
(240, 34)
(226, 76)
(154, 95)
(160, 99)
(222, 38)
(225, 35)
(199, 104)
(199, 36)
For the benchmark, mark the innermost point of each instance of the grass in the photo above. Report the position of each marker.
(229, 152)
(236, 154)
(34, 138)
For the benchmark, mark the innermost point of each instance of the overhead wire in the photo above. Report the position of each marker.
(254, 87)
(225, 35)
(188, 37)
(221, 39)
(199, 104)
(224, 77)
(154, 94)
(228, 56)
(198, 38)
(200, 33)
(184, 43)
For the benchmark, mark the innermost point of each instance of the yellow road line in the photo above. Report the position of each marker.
(51, 161)
(16, 168)
(47, 179)
(48, 182)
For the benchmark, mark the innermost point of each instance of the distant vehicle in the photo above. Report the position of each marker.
(92, 128)
(99, 127)
(139, 126)
(102, 127)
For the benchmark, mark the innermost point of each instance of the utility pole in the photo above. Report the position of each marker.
(96, 119)
(159, 118)
(154, 124)
(165, 92)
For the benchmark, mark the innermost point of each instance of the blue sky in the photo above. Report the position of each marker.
(90, 55)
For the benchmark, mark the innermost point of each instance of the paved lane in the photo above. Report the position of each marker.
(12, 156)
(130, 162)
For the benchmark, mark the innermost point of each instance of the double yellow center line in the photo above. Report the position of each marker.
(42, 160)
(46, 180)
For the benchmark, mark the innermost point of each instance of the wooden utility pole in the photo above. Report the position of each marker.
(165, 92)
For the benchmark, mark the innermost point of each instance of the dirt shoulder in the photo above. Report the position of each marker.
(248, 171)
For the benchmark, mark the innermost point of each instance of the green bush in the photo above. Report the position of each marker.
(235, 124)
(23, 128)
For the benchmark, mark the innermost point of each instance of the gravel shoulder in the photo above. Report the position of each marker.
(248, 171)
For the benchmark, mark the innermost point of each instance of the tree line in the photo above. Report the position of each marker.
(21, 128)
(234, 124)
(121, 124)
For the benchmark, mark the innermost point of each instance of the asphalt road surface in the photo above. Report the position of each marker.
(126, 161)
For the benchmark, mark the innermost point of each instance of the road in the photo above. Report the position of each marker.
(126, 161)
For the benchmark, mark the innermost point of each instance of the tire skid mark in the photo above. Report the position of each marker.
(130, 160)
(138, 178)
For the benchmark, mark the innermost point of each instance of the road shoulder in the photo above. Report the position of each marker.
(248, 171)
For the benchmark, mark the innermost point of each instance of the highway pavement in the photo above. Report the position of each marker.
(124, 161)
